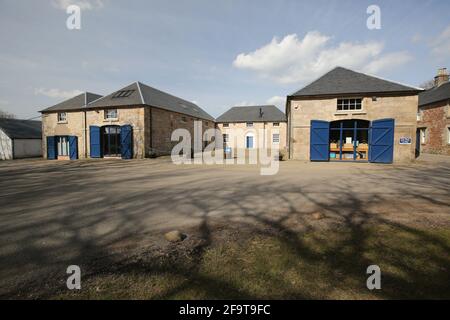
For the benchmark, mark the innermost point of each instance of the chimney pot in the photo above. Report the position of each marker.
(441, 78)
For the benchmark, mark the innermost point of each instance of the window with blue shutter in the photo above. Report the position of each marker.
(381, 147)
(51, 148)
(95, 145)
(73, 147)
(126, 141)
(320, 140)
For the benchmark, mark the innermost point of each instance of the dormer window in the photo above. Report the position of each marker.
(349, 104)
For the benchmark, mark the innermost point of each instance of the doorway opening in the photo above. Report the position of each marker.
(349, 140)
(111, 141)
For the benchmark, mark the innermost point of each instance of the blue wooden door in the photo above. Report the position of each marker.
(126, 141)
(73, 147)
(95, 145)
(51, 148)
(381, 147)
(320, 140)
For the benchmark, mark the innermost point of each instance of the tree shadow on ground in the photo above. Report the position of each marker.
(63, 215)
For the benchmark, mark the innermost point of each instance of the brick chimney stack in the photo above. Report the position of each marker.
(441, 78)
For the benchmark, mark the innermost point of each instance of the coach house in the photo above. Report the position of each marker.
(134, 122)
(351, 116)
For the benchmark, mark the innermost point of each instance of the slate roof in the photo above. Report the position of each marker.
(435, 94)
(21, 129)
(75, 103)
(341, 81)
(253, 114)
(135, 94)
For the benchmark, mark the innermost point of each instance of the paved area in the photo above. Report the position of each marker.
(58, 213)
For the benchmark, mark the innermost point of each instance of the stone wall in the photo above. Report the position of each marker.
(401, 108)
(161, 123)
(238, 131)
(152, 128)
(435, 119)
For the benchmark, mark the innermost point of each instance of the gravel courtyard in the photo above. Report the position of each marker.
(54, 214)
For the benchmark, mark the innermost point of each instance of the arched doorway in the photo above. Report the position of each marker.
(111, 142)
(349, 140)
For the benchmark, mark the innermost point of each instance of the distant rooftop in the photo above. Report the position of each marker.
(21, 129)
(435, 94)
(264, 113)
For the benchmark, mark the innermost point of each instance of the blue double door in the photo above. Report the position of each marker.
(62, 147)
(113, 141)
(352, 140)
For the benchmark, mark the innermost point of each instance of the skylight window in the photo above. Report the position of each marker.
(123, 94)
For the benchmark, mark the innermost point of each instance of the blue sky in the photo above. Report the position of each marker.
(216, 53)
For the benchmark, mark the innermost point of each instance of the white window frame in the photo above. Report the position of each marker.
(225, 139)
(107, 114)
(349, 102)
(277, 140)
(419, 115)
(423, 135)
(276, 124)
(61, 118)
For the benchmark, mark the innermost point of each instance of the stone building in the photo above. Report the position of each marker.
(252, 127)
(134, 122)
(351, 116)
(433, 126)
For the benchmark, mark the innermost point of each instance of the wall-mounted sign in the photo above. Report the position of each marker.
(405, 140)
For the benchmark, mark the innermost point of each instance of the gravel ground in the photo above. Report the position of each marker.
(54, 214)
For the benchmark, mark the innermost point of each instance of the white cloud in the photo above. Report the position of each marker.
(245, 104)
(388, 61)
(57, 93)
(83, 4)
(294, 60)
(278, 101)
(440, 45)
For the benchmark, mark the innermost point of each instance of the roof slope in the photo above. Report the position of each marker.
(435, 94)
(140, 94)
(252, 114)
(345, 81)
(169, 102)
(21, 129)
(75, 103)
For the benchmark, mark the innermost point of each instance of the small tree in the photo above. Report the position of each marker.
(427, 84)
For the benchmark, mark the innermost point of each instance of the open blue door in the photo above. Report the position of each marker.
(51, 148)
(381, 141)
(320, 140)
(73, 147)
(95, 145)
(126, 141)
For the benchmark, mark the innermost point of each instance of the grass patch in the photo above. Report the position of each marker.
(323, 264)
